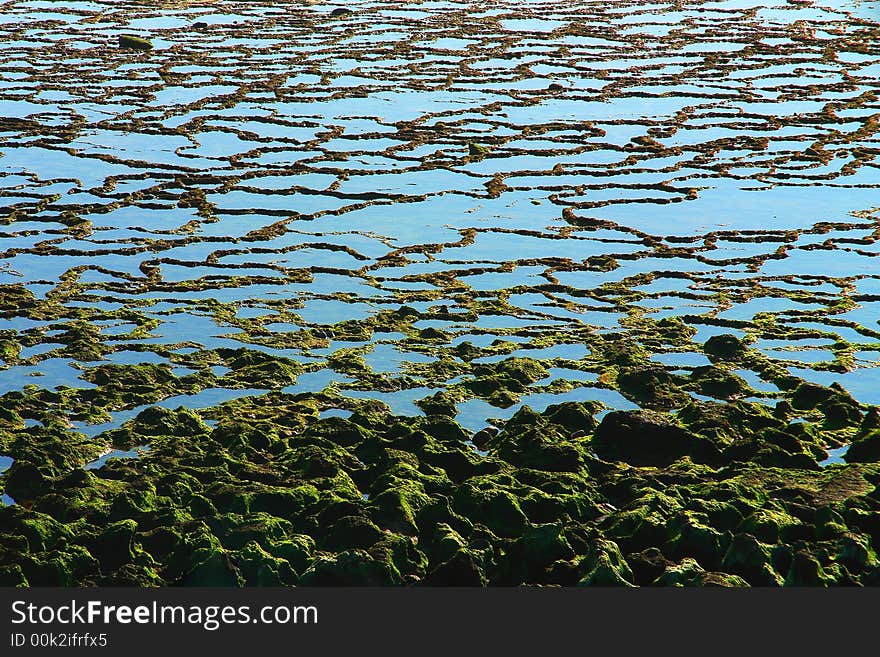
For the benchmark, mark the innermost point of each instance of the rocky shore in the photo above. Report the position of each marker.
(268, 492)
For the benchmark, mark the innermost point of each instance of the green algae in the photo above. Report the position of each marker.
(134, 42)
(382, 499)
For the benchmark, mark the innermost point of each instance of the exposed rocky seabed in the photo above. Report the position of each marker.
(439, 293)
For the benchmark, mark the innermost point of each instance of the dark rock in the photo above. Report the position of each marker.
(25, 481)
(651, 385)
(647, 565)
(748, 558)
(807, 571)
(134, 42)
(461, 569)
(808, 396)
(649, 438)
(352, 532)
(538, 448)
(483, 436)
(724, 347)
(692, 538)
(350, 568)
(605, 566)
(865, 449)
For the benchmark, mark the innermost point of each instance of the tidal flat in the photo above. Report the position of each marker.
(439, 293)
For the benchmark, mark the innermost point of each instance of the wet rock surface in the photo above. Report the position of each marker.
(275, 495)
(418, 293)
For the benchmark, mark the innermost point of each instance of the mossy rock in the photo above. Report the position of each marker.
(717, 382)
(351, 532)
(724, 347)
(604, 565)
(768, 525)
(260, 568)
(350, 568)
(497, 509)
(216, 570)
(806, 570)
(750, 559)
(652, 385)
(690, 536)
(11, 576)
(648, 438)
(865, 449)
(134, 42)
(808, 396)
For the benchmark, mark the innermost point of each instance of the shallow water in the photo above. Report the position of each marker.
(546, 173)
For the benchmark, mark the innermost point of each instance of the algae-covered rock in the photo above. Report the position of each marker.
(453, 562)
(865, 449)
(498, 509)
(604, 565)
(724, 347)
(114, 546)
(856, 552)
(259, 568)
(718, 382)
(461, 569)
(157, 421)
(350, 568)
(647, 565)
(573, 416)
(688, 572)
(540, 449)
(295, 392)
(531, 557)
(752, 560)
(641, 524)
(216, 569)
(477, 150)
(714, 494)
(134, 42)
(809, 395)
(398, 506)
(25, 481)
(651, 385)
(296, 549)
(649, 438)
(352, 531)
(690, 535)
(11, 576)
(768, 525)
(807, 571)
